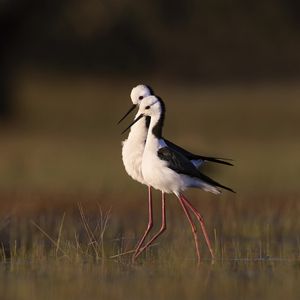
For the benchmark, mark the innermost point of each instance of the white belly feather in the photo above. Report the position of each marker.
(133, 149)
(132, 159)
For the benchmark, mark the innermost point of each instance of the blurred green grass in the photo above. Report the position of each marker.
(53, 256)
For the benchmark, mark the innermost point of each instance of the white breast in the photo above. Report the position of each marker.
(155, 171)
(132, 151)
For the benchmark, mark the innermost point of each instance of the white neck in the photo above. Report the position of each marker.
(152, 141)
(138, 131)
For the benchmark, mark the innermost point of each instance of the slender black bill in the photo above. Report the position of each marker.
(129, 111)
(135, 120)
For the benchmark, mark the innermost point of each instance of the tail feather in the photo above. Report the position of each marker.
(215, 189)
(217, 160)
(191, 156)
(209, 188)
(207, 180)
(226, 188)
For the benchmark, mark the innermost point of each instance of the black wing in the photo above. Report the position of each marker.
(191, 156)
(182, 165)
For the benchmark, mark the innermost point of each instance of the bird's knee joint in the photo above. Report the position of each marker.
(163, 228)
(150, 225)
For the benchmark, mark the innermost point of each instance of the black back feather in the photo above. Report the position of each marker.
(191, 156)
(157, 129)
(180, 164)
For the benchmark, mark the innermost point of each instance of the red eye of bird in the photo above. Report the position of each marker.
(141, 97)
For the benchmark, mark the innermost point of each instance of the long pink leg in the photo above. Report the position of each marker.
(150, 223)
(194, 230)
(202, 224)
(162, 228)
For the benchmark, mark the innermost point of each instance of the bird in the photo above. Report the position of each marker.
(137, 95)
(166, 169)
(132, 152)
(133, 148)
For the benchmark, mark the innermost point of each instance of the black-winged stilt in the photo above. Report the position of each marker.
(169, 171)
(132, 151)
(133, 148)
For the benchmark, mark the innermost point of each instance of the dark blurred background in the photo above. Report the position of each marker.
(67, 68)
(186, 40)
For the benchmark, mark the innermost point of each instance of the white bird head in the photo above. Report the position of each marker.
(140, 92)
(137, 95)
(151, 106)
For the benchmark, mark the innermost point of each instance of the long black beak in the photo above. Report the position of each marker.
(129, 111)
(135, 120)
